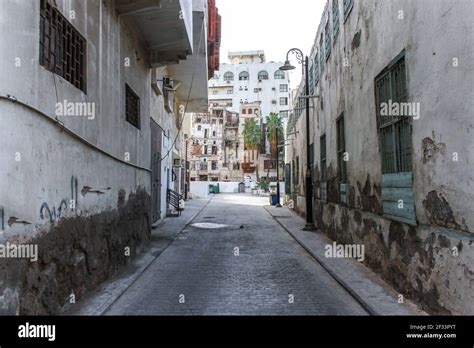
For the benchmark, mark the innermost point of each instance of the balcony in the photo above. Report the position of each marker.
(196, 64)
(165, 26)
(248, 167)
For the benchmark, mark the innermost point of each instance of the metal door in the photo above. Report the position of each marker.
(156, 150)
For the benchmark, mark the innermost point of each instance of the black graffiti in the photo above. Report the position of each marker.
(52, 214)
(74, 189)
(2, 218)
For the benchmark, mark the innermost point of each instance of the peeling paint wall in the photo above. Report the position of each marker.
(78, 204)
(415, 259)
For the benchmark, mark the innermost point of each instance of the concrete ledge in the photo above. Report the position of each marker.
(372, 292)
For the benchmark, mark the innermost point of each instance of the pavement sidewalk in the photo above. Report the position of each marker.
(378, 297)
(99, 301)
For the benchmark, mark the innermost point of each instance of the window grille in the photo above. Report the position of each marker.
(62, 47)
(132, 107)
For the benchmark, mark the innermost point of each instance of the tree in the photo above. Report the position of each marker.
(274, 128)
(252, 136)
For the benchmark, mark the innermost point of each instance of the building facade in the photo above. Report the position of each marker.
(91, 147)
(389, 123)
(246, 87)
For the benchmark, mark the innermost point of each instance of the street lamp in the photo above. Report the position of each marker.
(186, 171)
(278, 205)
(309, 180)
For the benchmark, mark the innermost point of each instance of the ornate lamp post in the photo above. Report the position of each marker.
(309, 180)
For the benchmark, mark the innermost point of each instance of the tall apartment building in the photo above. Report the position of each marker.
(398, 182)
(246, 87)
(91, 107)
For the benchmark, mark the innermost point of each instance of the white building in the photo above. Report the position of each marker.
(248, 78)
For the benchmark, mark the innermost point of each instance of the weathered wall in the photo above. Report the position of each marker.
(74, 256)
(419, 260)
(44, 168)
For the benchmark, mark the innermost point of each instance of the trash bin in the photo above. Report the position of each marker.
(211, 189)
(216, 188)
(274, 199)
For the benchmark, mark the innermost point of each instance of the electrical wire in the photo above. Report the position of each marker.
(189, 96)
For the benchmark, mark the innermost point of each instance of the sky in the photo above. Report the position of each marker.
(274, 26)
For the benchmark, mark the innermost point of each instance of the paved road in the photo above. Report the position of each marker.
(200, 273)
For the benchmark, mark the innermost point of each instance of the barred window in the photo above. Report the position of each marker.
(283, 88)
(279, 75)
(132, 106)
(395, 131)
(62, 47)
(335, 18)
(321, 55)
(228, 76)
(316, 70)
(347, 8)
(243, 76)
(327, 41)
(341, 149)
(263, 75)
(323, 157)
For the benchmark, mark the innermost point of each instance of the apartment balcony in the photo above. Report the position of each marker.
(165, 26)
(248, 167)
(195, 65)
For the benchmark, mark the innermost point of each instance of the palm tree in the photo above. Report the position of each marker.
(252, 135)
(274, 126)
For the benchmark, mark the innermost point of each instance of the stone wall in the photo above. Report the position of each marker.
(74, 256)
(431, 265)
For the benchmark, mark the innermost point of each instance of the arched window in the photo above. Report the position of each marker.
(263, 75)
(279, 75)
(243, 76)
(228, 76)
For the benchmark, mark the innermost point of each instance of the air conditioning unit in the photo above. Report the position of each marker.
(274, 101)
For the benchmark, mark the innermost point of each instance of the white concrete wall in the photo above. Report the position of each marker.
(201, 188)
(265, 96)
(51, 157)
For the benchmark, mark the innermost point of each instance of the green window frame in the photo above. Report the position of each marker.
(395, 141)
(348, 4)
(316, 70)
(323, 173)
(341, 149)
(335, 18)
(327, 41)
(394, 131)
(323, 158)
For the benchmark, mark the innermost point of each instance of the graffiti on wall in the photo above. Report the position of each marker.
(52, 213)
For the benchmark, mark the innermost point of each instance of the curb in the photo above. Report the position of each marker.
(137, 275)
(369, 308)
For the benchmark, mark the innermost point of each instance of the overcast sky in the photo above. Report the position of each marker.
(274, 26)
